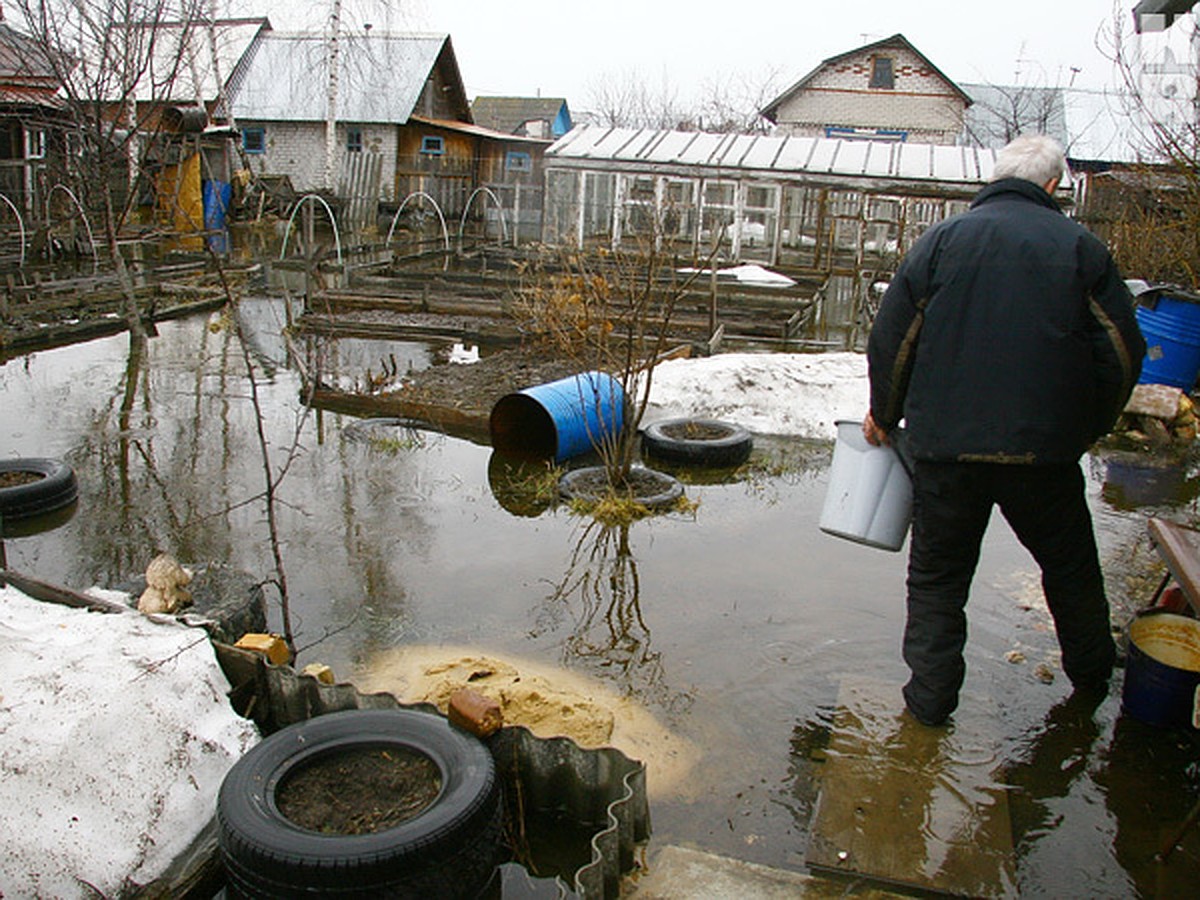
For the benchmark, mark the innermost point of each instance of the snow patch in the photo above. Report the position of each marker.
(767, 393)
(115, 736)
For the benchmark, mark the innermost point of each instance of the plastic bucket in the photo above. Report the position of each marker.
(559, 419)
(1162, 671)
(869, 498)
(1172, 331)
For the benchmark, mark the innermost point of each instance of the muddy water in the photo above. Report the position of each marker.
(737, 627)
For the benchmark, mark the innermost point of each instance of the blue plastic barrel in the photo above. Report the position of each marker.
(1171, 328)
(216, 197)
(559, 419)
(1162, 671)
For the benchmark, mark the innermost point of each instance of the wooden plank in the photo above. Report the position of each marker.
(1179, 547)
(908, 805)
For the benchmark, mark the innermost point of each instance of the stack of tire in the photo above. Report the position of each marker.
(449, 849)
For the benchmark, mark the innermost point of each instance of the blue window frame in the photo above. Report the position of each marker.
(254, 140)
(518, 161)
(433, 145)
(354, 142)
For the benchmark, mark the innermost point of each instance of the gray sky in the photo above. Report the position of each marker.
(565, 47)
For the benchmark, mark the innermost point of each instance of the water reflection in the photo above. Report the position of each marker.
(911, 805)
(601, 593)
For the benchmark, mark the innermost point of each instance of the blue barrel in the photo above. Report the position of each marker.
(559, 419)
(1162, 671)
(1171, 328)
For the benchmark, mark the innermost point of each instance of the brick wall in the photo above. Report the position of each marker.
(297, 149)
(920, 102)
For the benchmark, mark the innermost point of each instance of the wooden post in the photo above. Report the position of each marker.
(712, 303)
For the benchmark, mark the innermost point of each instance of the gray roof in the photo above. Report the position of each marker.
(380, 77)
(596, 146)
(510, 113)
(188, 52)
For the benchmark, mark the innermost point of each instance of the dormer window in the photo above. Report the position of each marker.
(883, 74)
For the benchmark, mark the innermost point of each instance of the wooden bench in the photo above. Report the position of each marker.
(1179, 547)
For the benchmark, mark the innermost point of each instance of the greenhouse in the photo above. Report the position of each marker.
(831, 205)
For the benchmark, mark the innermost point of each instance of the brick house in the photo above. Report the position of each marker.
(887, 90)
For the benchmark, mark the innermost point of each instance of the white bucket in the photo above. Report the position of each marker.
(869, 499)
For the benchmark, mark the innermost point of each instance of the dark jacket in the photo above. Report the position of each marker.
(1007, 335)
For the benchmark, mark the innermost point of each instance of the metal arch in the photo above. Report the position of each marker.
(82, 214)
(467, 208)
(20, 225)
(437, 209)
(337, 241)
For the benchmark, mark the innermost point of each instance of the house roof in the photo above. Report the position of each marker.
(479, 131)
(596, 146)
(380, 77)
(21, 59)
(896, 40)
(186, 51)
(1157, 15)
(510, 113)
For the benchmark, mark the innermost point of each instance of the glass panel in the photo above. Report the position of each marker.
(562, 206)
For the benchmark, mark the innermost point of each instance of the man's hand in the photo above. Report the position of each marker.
(875, 435)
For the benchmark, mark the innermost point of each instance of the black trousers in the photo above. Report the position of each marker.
(1047, 509)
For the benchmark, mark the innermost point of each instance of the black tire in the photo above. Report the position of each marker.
(56, 488)
(706, 442)
(656, 490)
(450, 849)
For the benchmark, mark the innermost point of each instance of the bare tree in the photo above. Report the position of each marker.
(1148, 207)
(117, 62)
(730, 102)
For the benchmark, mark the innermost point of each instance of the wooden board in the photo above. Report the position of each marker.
(908, 805)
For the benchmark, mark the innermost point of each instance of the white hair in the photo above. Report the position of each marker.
(1033, 157)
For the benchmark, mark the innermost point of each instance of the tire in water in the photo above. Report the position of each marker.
(705, 442)
(55, 487)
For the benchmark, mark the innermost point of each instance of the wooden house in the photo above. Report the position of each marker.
(536, 117)
(34, 122)
(885, 91)
(402, 129)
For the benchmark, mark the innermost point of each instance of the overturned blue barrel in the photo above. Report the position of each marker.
(559, 419)
(1171, 326)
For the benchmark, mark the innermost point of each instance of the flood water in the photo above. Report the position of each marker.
(738, 626)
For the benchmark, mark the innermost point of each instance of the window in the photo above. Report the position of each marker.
(254, 140)
(37, 143)
(354, 140)
(882, 73)
(518, 161)
(432, 145)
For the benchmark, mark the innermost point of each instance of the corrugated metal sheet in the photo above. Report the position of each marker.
(380, 77)
(188, 53)
(773, 155)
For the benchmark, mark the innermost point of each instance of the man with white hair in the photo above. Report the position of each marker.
(1008, 344)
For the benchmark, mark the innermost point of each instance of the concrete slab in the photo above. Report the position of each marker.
(903, 804)
(680, 873)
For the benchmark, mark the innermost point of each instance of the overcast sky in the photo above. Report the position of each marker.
(566, 47)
